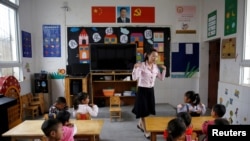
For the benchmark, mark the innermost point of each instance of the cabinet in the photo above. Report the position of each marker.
(120, 81)
(74, 85)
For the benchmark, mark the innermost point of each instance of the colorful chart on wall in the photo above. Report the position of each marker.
(51, 41)
(230, 26)
(185, 59)
(79, 39)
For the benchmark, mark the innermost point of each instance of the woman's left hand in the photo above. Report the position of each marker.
(162, 66)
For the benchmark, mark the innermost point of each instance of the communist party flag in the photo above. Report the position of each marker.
(102, 14)
(143, 14)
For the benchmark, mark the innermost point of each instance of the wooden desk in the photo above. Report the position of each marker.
(156, 125)
(31, 129)
(28, 129)
(88, 128)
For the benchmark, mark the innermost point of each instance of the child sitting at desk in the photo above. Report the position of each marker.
(53, 130)
(186, 117)
(69, 129)
(59, 105)
(176, 129)
(82, 108)
(217, 112)
(192, 104)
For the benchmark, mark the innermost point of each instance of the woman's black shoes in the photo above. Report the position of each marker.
(140, 128)
(148, 137)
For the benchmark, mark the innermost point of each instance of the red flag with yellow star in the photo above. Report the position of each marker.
(143, 14)
(102, 14)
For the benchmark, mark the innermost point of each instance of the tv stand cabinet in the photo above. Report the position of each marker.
(117, 81)
(68, 87)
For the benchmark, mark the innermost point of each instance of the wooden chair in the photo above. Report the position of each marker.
(28, 109)
(115, 107)
(83, 116)
(14, 112)
(37, 101)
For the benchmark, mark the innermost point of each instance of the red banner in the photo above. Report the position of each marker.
(143, 14)
(103, 14)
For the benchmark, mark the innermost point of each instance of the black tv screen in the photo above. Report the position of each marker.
(77, 69)
(112, 56)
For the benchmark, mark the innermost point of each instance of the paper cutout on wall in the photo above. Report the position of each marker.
(226, 91)
(220, 100)
(158, 36)
(237, 93)
(84, 54)
(236, 112)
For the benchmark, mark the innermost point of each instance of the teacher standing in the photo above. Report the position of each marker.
(145, 73)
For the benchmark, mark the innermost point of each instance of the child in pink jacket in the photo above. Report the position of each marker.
(69, 130)
(217, 112)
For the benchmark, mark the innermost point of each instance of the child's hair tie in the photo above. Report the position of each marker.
(165, 134)
(189, 131)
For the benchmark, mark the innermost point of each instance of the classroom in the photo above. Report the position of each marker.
(203, 44)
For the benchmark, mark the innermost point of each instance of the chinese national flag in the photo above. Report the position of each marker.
(143, 14)
(103, 14)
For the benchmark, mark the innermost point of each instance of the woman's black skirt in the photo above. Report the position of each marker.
(144, 102)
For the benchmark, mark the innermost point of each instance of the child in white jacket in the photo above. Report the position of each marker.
(82, 108)
(192, 104)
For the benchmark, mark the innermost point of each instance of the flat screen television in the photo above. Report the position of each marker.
(118, 57)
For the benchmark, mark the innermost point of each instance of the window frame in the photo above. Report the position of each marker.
(18, 62)
(245, 63)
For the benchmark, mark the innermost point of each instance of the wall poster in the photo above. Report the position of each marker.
(230, 26)
(26, 44)
(51, 41)
(212, 24)
(79, 39)
(186, 21)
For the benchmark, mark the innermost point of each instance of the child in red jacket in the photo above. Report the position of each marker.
(217, 112)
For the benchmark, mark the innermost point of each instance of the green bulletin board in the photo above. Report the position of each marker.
(230, 26)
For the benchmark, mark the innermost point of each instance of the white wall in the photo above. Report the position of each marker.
(236, 104)
(79, 14)
(26, 25)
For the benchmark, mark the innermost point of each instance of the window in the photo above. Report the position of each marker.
(245, 64)
(10, 60)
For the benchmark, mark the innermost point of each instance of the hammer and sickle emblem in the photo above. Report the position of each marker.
(137, 12)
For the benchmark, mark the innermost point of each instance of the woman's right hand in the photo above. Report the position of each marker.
(137, 65)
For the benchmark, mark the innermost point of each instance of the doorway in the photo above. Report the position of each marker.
(213, 72)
